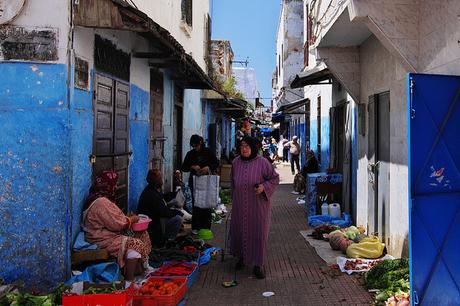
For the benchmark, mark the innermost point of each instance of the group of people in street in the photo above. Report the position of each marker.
(253, 182)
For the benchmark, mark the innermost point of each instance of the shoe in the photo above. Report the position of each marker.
(258, 272)
(240, 264)
(195, 232)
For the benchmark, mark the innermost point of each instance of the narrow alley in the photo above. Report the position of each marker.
(295, 273)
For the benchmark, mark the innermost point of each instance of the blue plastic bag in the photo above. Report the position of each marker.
(206, 256)
(315, 221)
(107, 272)
(81, 244)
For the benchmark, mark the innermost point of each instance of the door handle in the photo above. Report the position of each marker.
(373, 166)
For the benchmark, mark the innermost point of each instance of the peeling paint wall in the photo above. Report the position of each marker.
(192, 118)
(34, 173)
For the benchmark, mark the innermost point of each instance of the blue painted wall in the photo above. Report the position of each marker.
(325, 149)
(354, 162)
(139, 143)
(35, 171)
(81, 116)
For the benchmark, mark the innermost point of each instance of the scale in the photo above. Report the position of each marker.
(10, 9)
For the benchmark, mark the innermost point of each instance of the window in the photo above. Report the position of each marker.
(187, 12)
(318, 127)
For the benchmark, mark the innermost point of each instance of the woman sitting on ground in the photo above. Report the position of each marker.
(104, 224)
(166, 221)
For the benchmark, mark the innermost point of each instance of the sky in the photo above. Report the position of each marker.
(251, 27)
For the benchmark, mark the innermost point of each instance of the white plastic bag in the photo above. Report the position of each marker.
(206, 191)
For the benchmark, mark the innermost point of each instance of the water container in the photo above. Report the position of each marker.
(325, 209)
(334, 210)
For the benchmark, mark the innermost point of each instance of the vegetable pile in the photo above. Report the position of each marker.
(156, 286)
(390, 278)
(175, 269)
(225, 196)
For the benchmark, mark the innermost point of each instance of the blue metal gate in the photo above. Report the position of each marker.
(434, 168)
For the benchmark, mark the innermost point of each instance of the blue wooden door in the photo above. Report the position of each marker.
(434, 173)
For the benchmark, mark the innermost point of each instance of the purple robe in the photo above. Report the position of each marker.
(251, 212)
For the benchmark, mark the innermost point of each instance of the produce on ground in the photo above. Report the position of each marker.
(155, 286)
(225, 196)
(358, 264)
(323, 229)
(391, 279)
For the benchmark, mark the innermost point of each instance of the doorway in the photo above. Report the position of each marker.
(178, 118)
(379, 165)
(111, 132)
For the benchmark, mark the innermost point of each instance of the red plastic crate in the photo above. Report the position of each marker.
(163, 300)
(114, 299)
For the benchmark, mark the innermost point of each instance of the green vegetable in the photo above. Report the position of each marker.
(225, 196)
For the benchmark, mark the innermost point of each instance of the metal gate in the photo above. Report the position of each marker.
(434, 180)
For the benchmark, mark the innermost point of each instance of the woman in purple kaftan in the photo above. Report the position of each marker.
(254, 181)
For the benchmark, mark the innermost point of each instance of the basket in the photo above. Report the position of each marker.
(113, 299)
(172, 299)
(142, 224)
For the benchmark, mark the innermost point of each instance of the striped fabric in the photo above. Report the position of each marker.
(251, 212)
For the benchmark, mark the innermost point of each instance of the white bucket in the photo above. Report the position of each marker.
(325, 209)
(334, 210)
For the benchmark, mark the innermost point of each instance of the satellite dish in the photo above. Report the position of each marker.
(9, 9)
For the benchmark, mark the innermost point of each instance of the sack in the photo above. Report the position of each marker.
(369, 247)
(299, 183)
(206, 191)
(107, 272)
(180, 198)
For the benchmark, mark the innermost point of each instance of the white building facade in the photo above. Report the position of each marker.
(369, 47)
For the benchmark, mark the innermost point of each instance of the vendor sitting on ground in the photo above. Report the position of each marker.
(311, 164)
(166, 222)
(104, 224)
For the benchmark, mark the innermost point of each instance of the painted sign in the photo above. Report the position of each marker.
(30, 44)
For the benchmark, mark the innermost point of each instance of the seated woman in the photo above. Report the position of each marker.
(311, 165)
(104, 224)
(166, 222)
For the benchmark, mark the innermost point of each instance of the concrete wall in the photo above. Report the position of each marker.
(381, 72)
(35, 159)
(439, 32)
(192, 118)
(289, 50)
(168, 14)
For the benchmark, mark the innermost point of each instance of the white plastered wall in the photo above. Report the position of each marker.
(168, 14)
(381, 72)
(32, 17)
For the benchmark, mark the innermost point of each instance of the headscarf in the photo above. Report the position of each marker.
(252, 142)
(103, 186)
(154, 178)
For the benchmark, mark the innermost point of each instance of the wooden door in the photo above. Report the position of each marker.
(156, 147)
(111, 132)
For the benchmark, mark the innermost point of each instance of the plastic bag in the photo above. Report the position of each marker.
(107, 272)
(369, 247)
(318, 220)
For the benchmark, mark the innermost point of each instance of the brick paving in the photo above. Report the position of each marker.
(295, 273)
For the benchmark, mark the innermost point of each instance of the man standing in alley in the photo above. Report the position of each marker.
(294, 149)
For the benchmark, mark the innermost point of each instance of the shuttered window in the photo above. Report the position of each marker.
(187, 12)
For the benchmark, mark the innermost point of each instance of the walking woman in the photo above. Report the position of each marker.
(254, 181)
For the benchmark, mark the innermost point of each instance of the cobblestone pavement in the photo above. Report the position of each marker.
(295, 273)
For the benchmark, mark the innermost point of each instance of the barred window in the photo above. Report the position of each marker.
(187, 11)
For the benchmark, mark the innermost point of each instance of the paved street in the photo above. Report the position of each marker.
(295, 273)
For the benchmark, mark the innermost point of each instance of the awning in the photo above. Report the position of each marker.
(235, 108)
(314, 76)
(119, 15)
(289, 108)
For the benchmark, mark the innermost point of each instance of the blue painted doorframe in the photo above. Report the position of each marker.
(434, 182)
